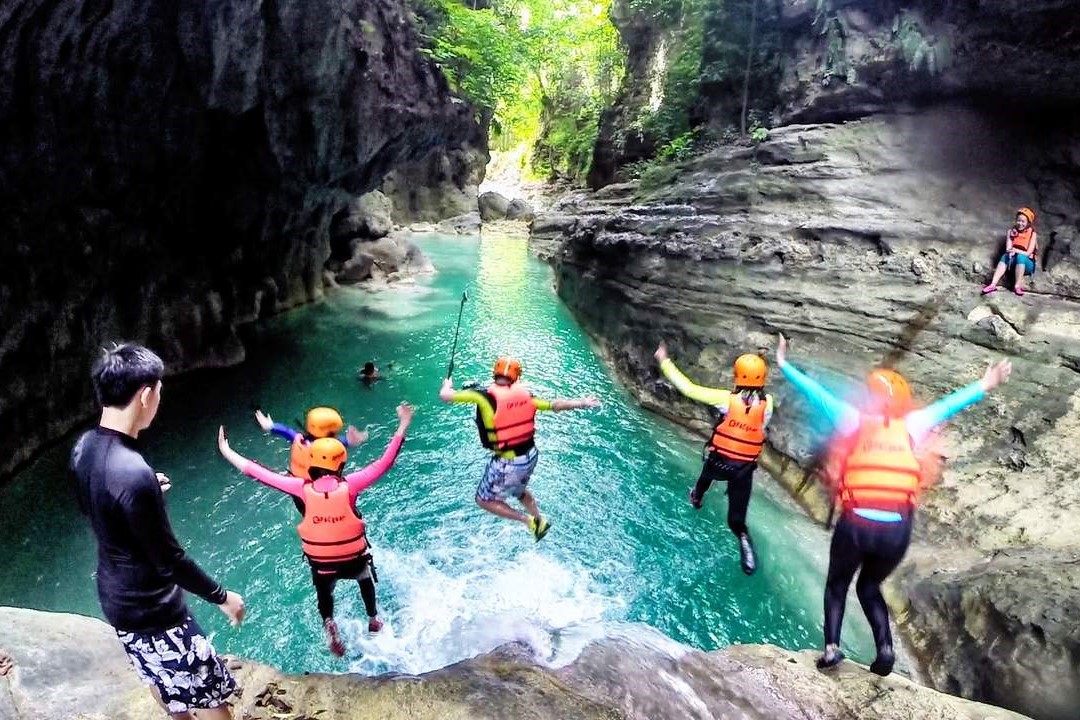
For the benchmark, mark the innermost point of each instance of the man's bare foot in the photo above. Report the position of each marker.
(6, 663)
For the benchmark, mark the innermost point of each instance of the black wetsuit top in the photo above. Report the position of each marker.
(141, 567)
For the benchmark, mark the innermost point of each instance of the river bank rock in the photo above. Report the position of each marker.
(69, 666)
(367, 216)
(388, 259)
(492, 206)
(866, 242)
(466, 224)
(214, 148)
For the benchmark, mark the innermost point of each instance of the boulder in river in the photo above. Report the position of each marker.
(518, 209)
(493, 206)
(367, 216)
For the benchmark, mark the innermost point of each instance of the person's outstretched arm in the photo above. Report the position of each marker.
(840, 414)
(717, 397)
(361, 480)
(285, 483)
(563, 404)
(268, 425)
(921, 422)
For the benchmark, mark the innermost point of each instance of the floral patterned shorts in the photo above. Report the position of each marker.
(181, 663)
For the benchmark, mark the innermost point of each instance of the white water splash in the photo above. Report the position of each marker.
(443, 617)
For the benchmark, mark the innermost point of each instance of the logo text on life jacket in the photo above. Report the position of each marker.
(882, 446)
(741, 425)
(317, 519)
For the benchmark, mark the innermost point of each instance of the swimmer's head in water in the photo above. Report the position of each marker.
(323, 422)
(369, 368)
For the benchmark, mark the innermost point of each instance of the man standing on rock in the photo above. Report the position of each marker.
(142, 570)
(880, 473)
(737, 439)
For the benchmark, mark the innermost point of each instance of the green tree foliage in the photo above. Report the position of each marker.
(539, 70)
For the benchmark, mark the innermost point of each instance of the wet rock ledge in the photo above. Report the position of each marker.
(71, 667)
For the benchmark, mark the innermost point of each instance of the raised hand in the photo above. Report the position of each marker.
(265, 421)
(356, 437)
(661, 352)
(781, 349)
(996, 374)
(405, 413)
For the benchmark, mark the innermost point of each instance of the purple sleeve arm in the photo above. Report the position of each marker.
(361, 480)
(284, 431)
(285, 483)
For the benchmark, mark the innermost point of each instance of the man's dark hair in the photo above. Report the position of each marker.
(369, 368)
(122, 371)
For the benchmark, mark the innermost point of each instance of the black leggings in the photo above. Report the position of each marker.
(325, 578)
(878, 547)
(740, 481)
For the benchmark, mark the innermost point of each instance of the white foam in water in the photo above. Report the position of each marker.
(400, 301)
(440, 617)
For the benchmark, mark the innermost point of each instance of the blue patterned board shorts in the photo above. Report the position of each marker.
(181, 663)
(506, 477)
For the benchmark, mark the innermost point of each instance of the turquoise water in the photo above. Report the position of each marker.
(625, 546)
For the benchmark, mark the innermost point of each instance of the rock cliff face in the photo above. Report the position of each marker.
(863, 242)
(67, 666)
(844, 58)
(831, 60)
(171, 170)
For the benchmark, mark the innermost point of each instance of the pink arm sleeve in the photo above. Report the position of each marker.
(361, 480)
(284, 483)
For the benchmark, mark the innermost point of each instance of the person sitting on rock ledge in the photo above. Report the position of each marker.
(880, 474)
(1021, 250)
(333, 534)
(737, 439)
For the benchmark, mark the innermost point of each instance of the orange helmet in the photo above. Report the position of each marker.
(323, 422)
(890, 389)
(750, 371)
(507, 367)
(1028, 213)
(328, 454)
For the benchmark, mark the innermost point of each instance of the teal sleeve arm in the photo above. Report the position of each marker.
(839, 414)
(921, 422)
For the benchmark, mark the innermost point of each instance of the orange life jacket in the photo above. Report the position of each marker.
(514, 423)
(331, 531)
(882, 470)
(1021, 240)
(740, 435)
(300, 457)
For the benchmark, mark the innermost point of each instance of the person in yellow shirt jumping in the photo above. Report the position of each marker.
(505, 417)
(737, 439)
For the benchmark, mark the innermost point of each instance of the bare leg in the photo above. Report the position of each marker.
(529, 502)
(174, 716)
(498, 507)
(219, 713)
(1019, 285)
(999, 272)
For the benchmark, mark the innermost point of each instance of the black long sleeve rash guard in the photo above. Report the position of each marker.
(141, 566)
